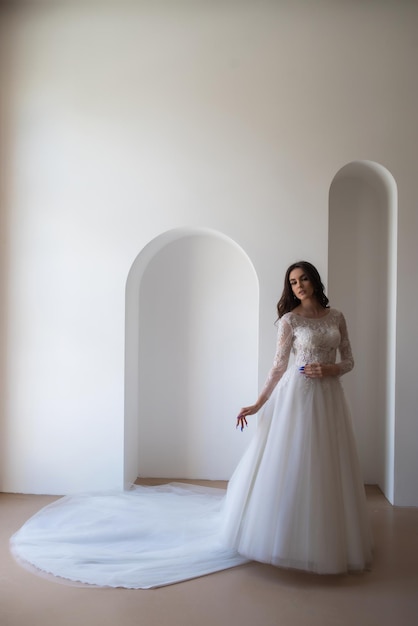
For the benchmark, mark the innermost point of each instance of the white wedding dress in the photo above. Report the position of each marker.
(295, 500)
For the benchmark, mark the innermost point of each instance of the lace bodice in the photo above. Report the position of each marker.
(311, 341)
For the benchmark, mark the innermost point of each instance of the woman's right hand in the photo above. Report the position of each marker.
(244, 413)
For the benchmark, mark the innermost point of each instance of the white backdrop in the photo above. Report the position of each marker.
(198, 345)
(127, 120)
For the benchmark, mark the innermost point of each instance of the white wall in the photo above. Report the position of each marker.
(362, 282)
(198, 353)
(128, 120)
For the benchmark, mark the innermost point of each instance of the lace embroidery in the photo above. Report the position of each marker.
(281, 359)
(312, 341)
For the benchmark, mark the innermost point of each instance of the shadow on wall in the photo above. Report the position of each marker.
(191, 355)
(6, 153)
(362, 283)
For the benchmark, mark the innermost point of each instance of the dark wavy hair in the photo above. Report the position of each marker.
(288, 300)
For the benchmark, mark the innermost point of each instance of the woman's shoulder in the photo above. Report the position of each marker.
(337, 315)
(285, 323)
(286, 317)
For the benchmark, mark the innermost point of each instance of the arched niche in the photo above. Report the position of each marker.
(362, 282)
(191, 355)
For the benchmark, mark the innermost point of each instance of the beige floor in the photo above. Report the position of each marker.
(250, 595)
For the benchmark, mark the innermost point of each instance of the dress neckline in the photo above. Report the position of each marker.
(313, 319)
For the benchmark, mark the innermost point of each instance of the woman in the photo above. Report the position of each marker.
(297, 499)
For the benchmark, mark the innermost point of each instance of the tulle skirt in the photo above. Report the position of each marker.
(295, 500)
(297, 497)
(141, 538)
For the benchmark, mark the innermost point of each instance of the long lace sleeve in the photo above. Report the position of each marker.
(346, 363)
(281, 359)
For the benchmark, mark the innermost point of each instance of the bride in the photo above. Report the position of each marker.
(295, 500)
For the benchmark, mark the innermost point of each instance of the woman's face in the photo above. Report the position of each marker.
(300, 283)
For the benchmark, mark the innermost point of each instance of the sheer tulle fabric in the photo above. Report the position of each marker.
(295, 500)
(142, 538)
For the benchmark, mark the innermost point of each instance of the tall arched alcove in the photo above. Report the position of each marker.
(191, 355)
(362, 283)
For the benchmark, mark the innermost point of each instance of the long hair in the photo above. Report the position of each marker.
(288, 300)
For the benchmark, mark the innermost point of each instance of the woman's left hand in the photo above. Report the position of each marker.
(319, 370)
